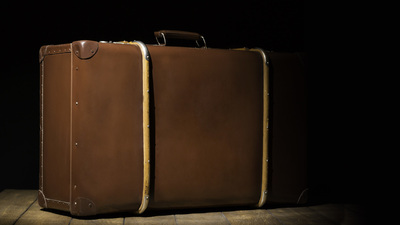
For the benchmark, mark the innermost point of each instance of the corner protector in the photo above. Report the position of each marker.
(263, 53)
(143, 206)
(42, 52)
(85, 49)
(42, 199)
(143, 48)
(263, 198)
(83, 207)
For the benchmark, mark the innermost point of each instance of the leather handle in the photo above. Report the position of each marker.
(177, 34)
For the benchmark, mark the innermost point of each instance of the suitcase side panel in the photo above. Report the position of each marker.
(107, 131)
(288, 152)
(209, 127)
(55, 110)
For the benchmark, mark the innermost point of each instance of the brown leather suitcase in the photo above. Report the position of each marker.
(127, 126)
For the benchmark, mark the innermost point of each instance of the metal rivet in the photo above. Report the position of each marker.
(76, 68)
(91, 50)
(76, 103)
(76, 143)
(76, 52)
(148, 126)
(90, 205)
(75, 203)
(74, 186)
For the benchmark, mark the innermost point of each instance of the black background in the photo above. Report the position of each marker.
(338, 166)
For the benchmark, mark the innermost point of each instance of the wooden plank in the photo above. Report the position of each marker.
(212, 218)
(257, 216)
(100, 221)
(13, 203)
(36, 216)
(151, 220)
(341, 214)
(300, 215)
(334, 212)
(311, 217)
(286, 217)
(21, 207)
(357, 214)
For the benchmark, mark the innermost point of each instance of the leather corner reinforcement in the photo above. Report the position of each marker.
(85, 49)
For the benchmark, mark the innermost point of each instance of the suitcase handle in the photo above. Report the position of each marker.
(177, 34)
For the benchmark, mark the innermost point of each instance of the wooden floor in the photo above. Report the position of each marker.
(21, 207)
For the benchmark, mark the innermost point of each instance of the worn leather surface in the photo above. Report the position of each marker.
(208, 110)
(55, 120)
(92, 151)
(107, 161)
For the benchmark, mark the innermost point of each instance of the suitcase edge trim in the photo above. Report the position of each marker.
(146, 124)
(264, 180)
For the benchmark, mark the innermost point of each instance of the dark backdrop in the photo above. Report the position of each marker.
(337, 169)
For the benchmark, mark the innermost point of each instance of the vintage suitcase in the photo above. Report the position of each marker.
(127, 126)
